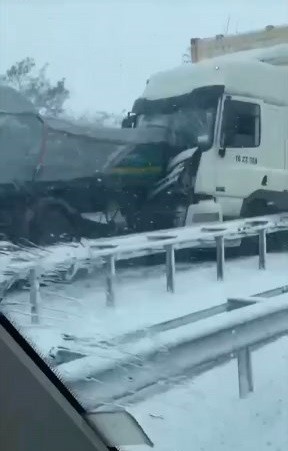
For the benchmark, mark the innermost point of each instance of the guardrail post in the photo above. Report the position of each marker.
(220, 249)
(262, 249)
(170, 268)
(34, 295)
(110, 279)
(245, 376)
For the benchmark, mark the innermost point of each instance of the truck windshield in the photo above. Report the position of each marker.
(184, 125)
(20, 135)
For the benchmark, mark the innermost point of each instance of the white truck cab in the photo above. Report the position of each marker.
(232, 111)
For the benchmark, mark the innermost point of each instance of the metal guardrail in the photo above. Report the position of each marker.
(189, 237)
(168, 241)
(109, 251)
(196, 348)
(232, 334)
(65, 355)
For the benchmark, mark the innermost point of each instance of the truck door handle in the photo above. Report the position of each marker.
(264, 180)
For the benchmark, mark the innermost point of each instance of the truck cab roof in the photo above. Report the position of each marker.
(257, 73)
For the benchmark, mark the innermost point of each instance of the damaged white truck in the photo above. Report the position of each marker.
(224, 125)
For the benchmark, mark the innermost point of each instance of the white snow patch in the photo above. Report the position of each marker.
(206, 413)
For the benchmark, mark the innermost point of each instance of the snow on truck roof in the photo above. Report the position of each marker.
(257, 73)
(11, 101)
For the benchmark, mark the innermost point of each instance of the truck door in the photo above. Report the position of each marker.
(240, 160)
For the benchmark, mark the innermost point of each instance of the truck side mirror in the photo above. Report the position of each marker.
(203, 142)
(129, 121)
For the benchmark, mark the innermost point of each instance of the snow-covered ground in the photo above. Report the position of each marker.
(201, 414)
(206, 413)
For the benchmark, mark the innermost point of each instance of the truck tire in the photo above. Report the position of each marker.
(52, 225)
(167, 211)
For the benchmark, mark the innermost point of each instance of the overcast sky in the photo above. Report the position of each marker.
(106, 49)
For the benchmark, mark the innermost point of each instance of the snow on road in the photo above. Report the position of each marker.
(199, 414)
(205, 414)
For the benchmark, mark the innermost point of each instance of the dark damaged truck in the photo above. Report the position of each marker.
(55, 180)
(49, 174)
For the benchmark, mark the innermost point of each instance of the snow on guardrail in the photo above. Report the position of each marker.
(112, 250)
(67, 259)
(108, 378)
(139, 364)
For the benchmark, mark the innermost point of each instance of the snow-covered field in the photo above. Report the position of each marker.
(204, 413)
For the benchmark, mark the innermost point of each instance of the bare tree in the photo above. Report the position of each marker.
(34, 84)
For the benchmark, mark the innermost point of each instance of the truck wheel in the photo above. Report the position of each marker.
(163, 212)
(52, 226)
